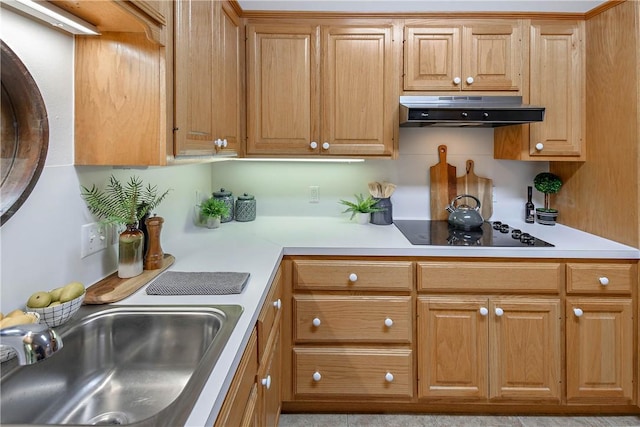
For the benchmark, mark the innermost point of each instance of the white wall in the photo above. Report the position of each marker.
(276, 195)
(40, 244)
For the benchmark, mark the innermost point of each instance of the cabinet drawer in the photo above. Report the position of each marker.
(352, 319)
(601, 278)
(363, 372)
(353, 275)
(269, 313)
(529, 277)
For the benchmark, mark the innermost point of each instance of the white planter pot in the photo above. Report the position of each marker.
(363, 218)
(213, 222)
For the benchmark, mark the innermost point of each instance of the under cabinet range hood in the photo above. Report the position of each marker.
(462, 111)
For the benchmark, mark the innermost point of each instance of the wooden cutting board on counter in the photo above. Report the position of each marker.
(443, 185)
(113, 289)
(482, 188)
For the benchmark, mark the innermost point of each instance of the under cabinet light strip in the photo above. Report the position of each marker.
(53, 15)
(292, 160)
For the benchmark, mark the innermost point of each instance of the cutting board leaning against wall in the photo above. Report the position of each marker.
(445, 186)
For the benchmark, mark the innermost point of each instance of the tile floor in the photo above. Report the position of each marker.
(366, 420)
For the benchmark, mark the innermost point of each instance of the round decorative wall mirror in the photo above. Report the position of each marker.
(25, 134)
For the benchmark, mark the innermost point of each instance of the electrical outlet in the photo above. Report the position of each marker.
(93, 238)
(314, 194)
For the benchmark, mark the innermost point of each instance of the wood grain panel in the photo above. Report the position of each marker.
(432, 56)
(600, 351)
(118, 101)
(353, 372)
(270, 314)
(369, 275)
(525, 362)
(486, 276)
(609, 179)
(352, 319)
(453, 348)
(585, 278)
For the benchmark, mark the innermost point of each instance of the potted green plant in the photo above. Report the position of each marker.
(362, 208)
(212, 210)
(125, 204)
(547, 183)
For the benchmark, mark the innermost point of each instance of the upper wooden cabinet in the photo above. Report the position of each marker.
(482, 55)
(327, 90)
(557, 82)
(207, 78)
(122, 101)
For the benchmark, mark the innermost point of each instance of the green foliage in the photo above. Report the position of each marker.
(213, 207)
(122, 204)
(547, 183)
(362, 204)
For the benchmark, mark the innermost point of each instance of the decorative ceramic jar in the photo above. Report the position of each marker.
(227, 197)
(245, 208)
(385, 216)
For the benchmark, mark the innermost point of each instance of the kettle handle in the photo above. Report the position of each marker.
(461, 196)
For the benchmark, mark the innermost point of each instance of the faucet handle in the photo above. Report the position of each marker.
(32, 343)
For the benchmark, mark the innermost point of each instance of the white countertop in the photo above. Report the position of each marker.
(258, 246)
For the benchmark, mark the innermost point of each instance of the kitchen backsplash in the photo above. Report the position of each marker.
(279, 193)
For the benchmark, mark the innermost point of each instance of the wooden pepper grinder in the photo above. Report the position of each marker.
(154, 256)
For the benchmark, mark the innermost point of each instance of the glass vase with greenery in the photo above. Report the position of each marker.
(125, 204)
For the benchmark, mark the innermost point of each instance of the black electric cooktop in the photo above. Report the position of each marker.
(440, 233)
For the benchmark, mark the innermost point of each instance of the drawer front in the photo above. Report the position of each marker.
(366, 372)
(352, 319)
(269, 313)
(601, 278)
(353, 275)
(529, 277)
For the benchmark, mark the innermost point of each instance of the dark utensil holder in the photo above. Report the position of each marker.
(384, 217)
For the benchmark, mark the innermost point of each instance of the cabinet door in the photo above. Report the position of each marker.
(599, 350)
(282, 89)
(196, 69)
(270, 385)
(227, 100)
(558, 84)
(492, 56)
(525, 349)
(358, 91)
(452, 348)
(432, 57)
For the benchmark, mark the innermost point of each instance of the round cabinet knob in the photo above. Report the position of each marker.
(484, 311)
(326, 145)
(388, 322)
(353, 277)
(578, 312)
(216, 143)
(499, 311)
(316, 376)
(470, 80)
(313, 145)
(277, 304)
(457, 80)
(267, 382)
(604, 281)
(539, 146)
(316, 322)
(388, 377)
(224, 143)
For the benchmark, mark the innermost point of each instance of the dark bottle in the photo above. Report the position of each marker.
(529, 209)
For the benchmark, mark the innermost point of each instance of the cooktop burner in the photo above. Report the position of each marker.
(440, 233)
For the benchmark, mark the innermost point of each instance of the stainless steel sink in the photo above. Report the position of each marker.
(131, 365)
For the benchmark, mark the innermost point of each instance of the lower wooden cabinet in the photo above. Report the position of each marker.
(600, 350)
(269, 383)
(495, 349)
(337, 372)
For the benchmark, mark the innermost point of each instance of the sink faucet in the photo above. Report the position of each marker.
(32, 343)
